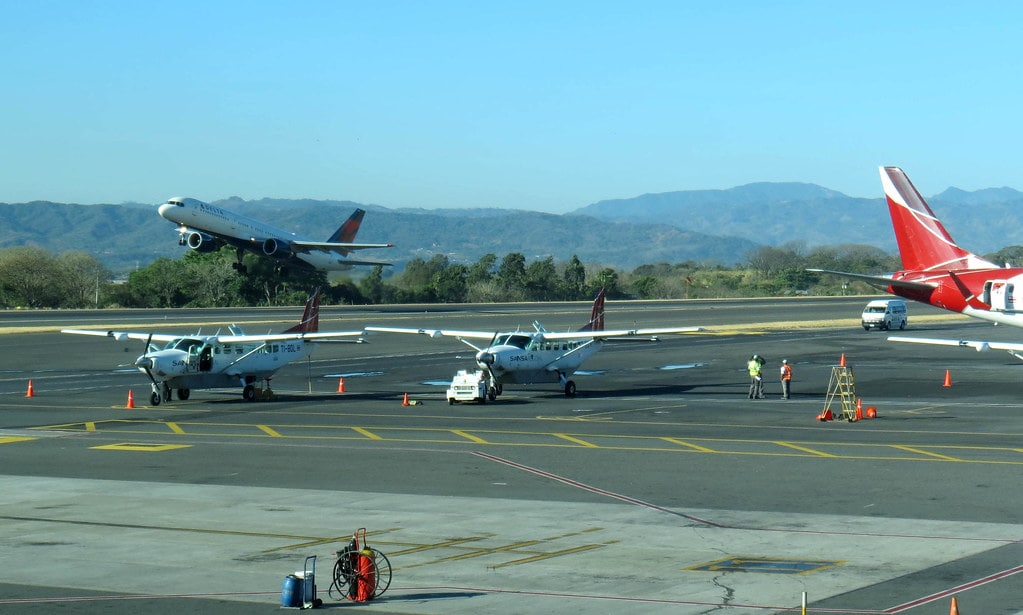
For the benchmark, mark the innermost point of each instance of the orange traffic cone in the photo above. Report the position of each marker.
(948, 379)
(341, 385)
(859, 409)
(131, 400)
(404, 401)
(841, 360)
(31, 392)
(954, 607)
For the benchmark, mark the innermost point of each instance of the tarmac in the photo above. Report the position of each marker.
(659, 488)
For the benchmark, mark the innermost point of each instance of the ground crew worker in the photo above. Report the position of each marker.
(786, 378)
(756, 381)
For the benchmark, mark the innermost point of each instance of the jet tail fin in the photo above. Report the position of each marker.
(310, 322)
(597, 315)
(347, 231)
(924, 244)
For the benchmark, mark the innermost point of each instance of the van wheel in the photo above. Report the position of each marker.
(866, 328)
(884, 326)
(902, 327)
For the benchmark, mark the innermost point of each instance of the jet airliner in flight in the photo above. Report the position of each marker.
(206, 228)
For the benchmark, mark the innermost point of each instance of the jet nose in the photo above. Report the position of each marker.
(165, 209)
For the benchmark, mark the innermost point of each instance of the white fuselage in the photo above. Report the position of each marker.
(245, 231)
(196, 363)
(527, 359)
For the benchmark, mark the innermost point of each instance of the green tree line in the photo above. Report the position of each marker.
(31, 277)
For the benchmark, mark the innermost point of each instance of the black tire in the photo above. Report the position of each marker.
(491, 393)
(451, 401)
(249, 393)
(902, 327)
(570, 389)
(155, 398)
(183, 394)
(866, 328)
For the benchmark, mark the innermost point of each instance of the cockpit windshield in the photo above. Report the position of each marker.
(517, 340)
(182, 343)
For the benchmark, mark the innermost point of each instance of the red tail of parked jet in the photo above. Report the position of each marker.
(935, 269)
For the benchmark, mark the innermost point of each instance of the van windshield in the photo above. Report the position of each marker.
(875, 309)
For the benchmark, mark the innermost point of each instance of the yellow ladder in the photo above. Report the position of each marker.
(843, 387)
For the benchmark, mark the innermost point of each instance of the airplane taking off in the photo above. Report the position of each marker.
(939, 272)
(218, 361)
(540, 356)
(206, 228)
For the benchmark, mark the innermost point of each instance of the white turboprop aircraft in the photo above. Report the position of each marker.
(218, 361)
(539, 356)
(205, 228)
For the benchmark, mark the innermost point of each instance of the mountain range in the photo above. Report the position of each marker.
(699, 225)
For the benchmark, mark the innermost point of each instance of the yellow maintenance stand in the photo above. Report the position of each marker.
(843, 387)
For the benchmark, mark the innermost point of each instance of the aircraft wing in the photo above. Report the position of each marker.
(479, 335)
(979, 346)
(612, 334)
(338, 247)
(880, 280)
(223, 339)
(127, 335)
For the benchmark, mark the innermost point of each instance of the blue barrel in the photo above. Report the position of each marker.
(291, 592)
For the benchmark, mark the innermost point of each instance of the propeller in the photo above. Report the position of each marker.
(145, 363)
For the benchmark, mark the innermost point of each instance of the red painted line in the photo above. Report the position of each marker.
(955, 590)
(592, 489)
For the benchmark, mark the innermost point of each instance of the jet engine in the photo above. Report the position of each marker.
(201, 242)
(277, 248)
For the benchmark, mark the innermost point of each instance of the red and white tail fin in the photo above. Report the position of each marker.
(597, 315)
(924, 244)
(310, 322)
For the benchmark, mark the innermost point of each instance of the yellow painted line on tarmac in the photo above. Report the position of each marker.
(144, 448)
(440, 545)
(552, 554)
(13, 439)
(695, 447)
(469, 436)
(918, 451)
(565, 436)
(90, 426)
(176, 428)
(805, 449)
(270, 431)
(369, 434)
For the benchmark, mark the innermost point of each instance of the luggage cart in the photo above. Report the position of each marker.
(299, 589)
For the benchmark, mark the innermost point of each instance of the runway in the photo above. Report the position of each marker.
(660, 488)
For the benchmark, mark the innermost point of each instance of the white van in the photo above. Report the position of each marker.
(884, 314)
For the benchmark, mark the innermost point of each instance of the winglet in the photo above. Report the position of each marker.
(310, 322)
(347, 231)
(597, 315)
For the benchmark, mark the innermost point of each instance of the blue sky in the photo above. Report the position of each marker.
(535, 105)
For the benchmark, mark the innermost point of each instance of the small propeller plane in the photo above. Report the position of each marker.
(205, 228)
(199, 361)
(540, 356)
(938, 272)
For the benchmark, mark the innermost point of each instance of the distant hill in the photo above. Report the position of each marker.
(776, 213)
(699, 225)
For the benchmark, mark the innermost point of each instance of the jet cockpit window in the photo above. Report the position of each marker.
(176, 202)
